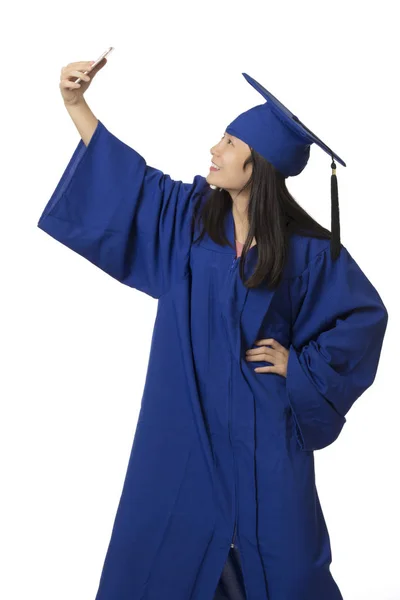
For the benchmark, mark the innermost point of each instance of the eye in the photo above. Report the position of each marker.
(228, 139)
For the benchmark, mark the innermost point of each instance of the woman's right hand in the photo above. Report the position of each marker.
(72, 92)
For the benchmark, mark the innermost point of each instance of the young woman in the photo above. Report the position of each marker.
(266, 333)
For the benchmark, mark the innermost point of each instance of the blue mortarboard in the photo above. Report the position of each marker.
(282, 139)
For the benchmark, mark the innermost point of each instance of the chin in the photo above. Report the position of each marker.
(209, 177)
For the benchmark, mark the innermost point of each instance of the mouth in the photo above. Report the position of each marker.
(214, 167)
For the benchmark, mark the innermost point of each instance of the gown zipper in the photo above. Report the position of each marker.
(234, 464)
(235, 259)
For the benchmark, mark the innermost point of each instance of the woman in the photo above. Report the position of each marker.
(257, 355)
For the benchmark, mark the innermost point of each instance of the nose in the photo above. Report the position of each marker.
(212, 150)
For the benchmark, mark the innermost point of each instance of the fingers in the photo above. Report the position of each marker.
(268, 349)
(80, 74)
(260, 355)
(268, 341)
(266, 346)
(99, 65)
(81, 65)
(67, 72)
(274, 369)
(73, 68)
(79, 70)
(66, 83)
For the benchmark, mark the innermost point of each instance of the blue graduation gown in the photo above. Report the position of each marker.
(221, 453)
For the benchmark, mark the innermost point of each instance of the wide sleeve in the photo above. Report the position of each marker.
(337, 336)
(126, 217)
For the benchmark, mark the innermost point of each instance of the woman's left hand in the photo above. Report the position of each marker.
(275, 353)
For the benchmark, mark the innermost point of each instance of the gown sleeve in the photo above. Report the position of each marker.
(337, 339)
(126, 217)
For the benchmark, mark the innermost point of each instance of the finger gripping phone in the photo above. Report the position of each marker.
(110, 49)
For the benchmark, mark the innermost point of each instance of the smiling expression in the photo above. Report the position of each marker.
(229, 155)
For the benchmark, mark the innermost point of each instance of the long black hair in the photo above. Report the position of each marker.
(273, 214)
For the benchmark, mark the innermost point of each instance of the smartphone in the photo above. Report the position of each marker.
(110, 49)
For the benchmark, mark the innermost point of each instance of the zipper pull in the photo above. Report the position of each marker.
(234, 536)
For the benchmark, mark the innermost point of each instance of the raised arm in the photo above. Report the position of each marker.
(126, 217)
(83, 119)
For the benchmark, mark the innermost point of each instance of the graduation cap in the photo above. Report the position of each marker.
(284, 141)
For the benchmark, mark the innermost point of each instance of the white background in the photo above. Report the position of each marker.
(75, 342)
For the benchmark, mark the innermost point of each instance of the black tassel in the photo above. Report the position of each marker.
(335, 223)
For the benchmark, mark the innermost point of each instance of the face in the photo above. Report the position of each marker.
(229, 154)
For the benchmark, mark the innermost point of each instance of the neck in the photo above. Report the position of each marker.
(240, 217)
